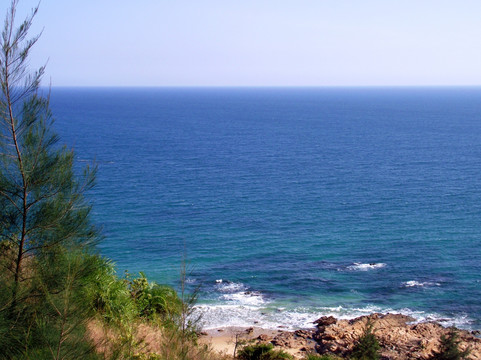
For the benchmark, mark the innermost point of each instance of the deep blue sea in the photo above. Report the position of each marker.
(290, 203)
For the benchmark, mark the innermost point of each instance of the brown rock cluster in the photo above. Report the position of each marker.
(297, 343)
(399, 338)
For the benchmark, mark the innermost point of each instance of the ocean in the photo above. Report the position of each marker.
(289, 203)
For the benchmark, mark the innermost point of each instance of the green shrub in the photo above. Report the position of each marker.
(116, 299)
(367, 346)
(164, 300)
(111, 298)
(152, 299)
(449, 348)
(262, 352)
(321, 357)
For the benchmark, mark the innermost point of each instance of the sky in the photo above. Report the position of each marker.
(257, 43)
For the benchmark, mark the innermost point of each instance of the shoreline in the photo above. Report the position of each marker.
(398, 335)
(235, 304)
(265, 316)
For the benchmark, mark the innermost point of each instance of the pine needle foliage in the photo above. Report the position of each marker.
(367, 346)
(449, 348)
(53, 286)
(46, 236)
(322, 357)
(41, 198)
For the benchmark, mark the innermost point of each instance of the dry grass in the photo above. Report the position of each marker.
(148, 341)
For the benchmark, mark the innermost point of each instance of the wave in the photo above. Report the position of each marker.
(233, 304)
(222, 316)
(271, 317)
(365, 267)
(414, 283)
(245, 298)
(232, 293)
(225, 286)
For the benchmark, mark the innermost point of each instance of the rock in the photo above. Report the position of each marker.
(328, 347)
(284, 339)
(250, 330)
(264, 338)
(325, 321)
(303, 334)
(329, 337)
(398, 337)
(288, 340)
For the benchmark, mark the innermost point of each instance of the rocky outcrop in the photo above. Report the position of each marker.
(399, 338)
(299, 341)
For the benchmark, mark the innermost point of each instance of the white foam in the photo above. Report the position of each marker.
(229, 287)
(461, 321)
(233, 293)
(269, 317)
(414, 283)
(365, 267)
(245, 298)
(221, 316)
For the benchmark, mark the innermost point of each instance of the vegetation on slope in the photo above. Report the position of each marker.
(54, 288)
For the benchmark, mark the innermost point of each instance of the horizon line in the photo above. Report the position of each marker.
(261, 86)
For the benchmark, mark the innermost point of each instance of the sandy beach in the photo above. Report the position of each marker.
(224, 340)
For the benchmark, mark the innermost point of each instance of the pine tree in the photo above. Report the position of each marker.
(44, 216)
(41, 199)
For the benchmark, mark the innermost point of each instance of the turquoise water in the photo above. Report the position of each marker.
(290, 203)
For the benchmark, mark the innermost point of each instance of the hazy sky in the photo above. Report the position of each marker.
(258, 43)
